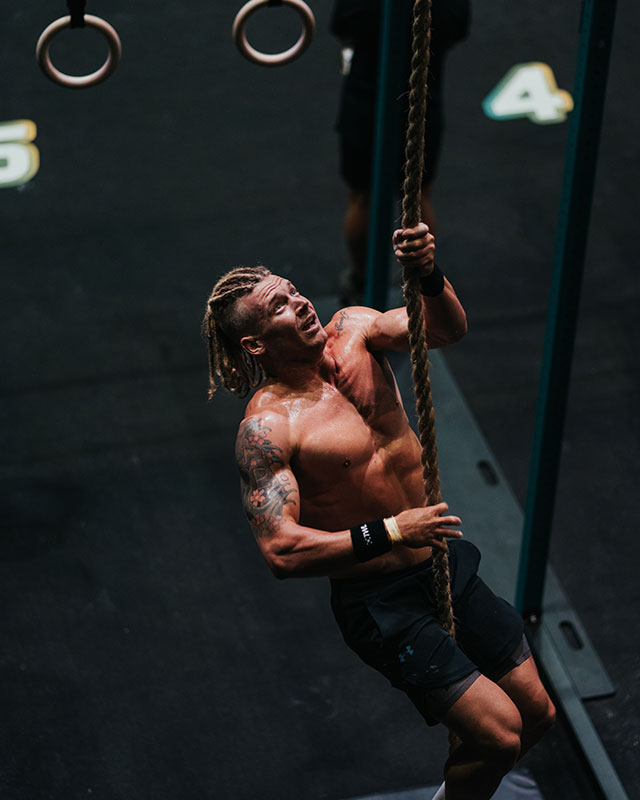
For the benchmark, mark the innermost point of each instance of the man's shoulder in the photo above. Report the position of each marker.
(351, 321)
(266, 403)
(266, 412)
(263, 437)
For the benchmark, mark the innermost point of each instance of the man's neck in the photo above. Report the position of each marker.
(302, 374)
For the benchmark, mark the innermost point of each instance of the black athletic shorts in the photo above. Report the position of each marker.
(390, 622)
(357, 136)
(358, 21)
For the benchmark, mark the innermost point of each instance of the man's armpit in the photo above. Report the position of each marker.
(266, 487)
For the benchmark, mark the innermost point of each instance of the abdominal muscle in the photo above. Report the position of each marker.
(386, 480)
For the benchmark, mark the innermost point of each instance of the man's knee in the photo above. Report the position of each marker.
(498, 751)
(502, 740)
(488, 723)
(540, 715)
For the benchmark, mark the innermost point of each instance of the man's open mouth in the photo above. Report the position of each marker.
(309, 323)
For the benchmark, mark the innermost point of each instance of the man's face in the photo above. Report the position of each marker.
(285, 322)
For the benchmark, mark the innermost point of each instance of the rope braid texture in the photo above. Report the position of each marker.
(411, 196)
(223, 323)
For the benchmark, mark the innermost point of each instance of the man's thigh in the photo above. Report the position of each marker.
(488, 629)
(524, 687)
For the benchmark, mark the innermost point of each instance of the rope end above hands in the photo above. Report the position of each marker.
(414, 152)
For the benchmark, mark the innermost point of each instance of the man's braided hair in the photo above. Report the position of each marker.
(223, 325)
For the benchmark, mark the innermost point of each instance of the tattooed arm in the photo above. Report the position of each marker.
(444, 319)
(271, 501)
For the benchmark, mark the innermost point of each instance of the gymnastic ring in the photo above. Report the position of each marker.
(273, 59)
(79, 81)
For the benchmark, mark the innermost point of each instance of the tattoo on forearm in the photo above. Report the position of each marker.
(264, 492)
(339, 325)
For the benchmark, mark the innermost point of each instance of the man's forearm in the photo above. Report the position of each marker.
(297, 551)
(445, 318)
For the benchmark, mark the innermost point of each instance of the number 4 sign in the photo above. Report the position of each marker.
(529, 90)
(19, 159)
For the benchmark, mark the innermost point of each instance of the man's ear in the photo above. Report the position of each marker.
(252, 345)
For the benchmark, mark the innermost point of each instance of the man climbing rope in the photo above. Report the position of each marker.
(332, 484)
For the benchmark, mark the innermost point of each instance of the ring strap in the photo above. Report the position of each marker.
(76, 12)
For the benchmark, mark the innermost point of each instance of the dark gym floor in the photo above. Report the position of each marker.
(146, 650)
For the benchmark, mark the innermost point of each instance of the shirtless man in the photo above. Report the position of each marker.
(332, 485)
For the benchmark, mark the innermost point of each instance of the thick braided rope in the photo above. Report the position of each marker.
(411, 191)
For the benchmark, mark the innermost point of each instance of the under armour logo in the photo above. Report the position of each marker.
(409, 652)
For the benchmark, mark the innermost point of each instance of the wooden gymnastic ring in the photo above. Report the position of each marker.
(78, 81)
(273, 59)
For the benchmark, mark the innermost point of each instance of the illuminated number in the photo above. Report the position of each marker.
(528, 90)
(19, 160)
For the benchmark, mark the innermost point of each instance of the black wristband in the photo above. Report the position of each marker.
(370, 540)
(432, 285)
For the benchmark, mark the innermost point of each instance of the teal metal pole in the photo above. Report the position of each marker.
(385, 165)
(573, 224)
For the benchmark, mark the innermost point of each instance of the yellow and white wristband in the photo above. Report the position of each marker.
(393, 531)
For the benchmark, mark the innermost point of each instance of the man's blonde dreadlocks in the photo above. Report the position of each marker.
(222, 327)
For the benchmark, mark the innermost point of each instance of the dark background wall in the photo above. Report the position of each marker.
(146, 651)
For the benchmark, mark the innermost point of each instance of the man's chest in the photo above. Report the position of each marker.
(357, 418)
(364, 380)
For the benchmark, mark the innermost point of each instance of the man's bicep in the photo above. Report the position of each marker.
(388, 331)
(269, 489)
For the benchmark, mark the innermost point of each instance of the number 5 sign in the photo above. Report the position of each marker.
(528, 90)
(19, 159)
